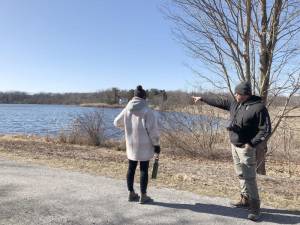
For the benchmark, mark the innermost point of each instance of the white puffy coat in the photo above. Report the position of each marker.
(141, 129)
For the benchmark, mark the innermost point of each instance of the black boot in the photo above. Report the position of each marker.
(145, 199)
(133, 197)
(254, 214)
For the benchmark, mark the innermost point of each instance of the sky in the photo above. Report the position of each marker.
(88, 45)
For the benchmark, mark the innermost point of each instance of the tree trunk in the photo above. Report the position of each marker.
(266, 58)
(247, 41)
(261, 151)
(264, 81)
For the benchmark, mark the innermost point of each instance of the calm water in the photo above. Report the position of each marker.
(44, 119)
(51, 119)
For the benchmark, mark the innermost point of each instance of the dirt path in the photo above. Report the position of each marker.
(32, 194)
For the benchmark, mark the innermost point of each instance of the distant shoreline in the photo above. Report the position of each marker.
(97, 105)
(101, 105)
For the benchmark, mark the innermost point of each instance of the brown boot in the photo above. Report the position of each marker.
(242, 203)
(133, 197)
(254, 214)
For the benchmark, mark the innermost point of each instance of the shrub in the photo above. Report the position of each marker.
(193, 133)
(88, 128)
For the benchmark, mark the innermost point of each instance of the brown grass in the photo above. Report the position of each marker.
(205, 177)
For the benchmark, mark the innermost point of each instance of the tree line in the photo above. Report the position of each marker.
(108, 96)
(156, 97)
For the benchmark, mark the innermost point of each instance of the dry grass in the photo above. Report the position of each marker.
(194, 135)
(205, 177)
(205, 145)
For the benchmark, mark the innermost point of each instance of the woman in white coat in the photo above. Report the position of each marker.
(142, 141)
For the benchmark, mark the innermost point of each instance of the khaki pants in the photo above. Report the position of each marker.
(245, 167)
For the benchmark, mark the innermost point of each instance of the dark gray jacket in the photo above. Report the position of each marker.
(249, 121)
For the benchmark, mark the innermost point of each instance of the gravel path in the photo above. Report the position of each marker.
(36, 195)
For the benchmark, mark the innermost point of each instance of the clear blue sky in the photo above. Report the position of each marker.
(88, 45)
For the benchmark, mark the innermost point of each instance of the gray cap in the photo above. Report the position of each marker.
(244, 88)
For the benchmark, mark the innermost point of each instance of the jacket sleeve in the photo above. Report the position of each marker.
(119, 120)
(151, 122)
(264, 127)
(217, 101)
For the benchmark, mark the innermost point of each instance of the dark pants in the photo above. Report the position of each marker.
(144, 165)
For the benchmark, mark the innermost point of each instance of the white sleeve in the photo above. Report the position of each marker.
(152, 127)
(119, 120)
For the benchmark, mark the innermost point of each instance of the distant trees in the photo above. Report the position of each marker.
(108, 96)
(161, 98)
(130, 94)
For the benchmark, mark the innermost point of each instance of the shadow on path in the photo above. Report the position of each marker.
(6, 190)
(268, 215)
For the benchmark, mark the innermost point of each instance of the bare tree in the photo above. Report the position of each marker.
(243, 40)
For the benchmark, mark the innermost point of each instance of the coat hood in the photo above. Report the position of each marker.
(136, 104)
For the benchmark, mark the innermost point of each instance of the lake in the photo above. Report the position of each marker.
(45, 120)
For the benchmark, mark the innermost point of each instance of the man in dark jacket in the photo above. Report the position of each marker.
(249, 126)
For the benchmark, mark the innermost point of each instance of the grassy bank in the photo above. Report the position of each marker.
(205, 177)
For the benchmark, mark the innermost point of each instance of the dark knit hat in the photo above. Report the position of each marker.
(244, 88)
(140, 92)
